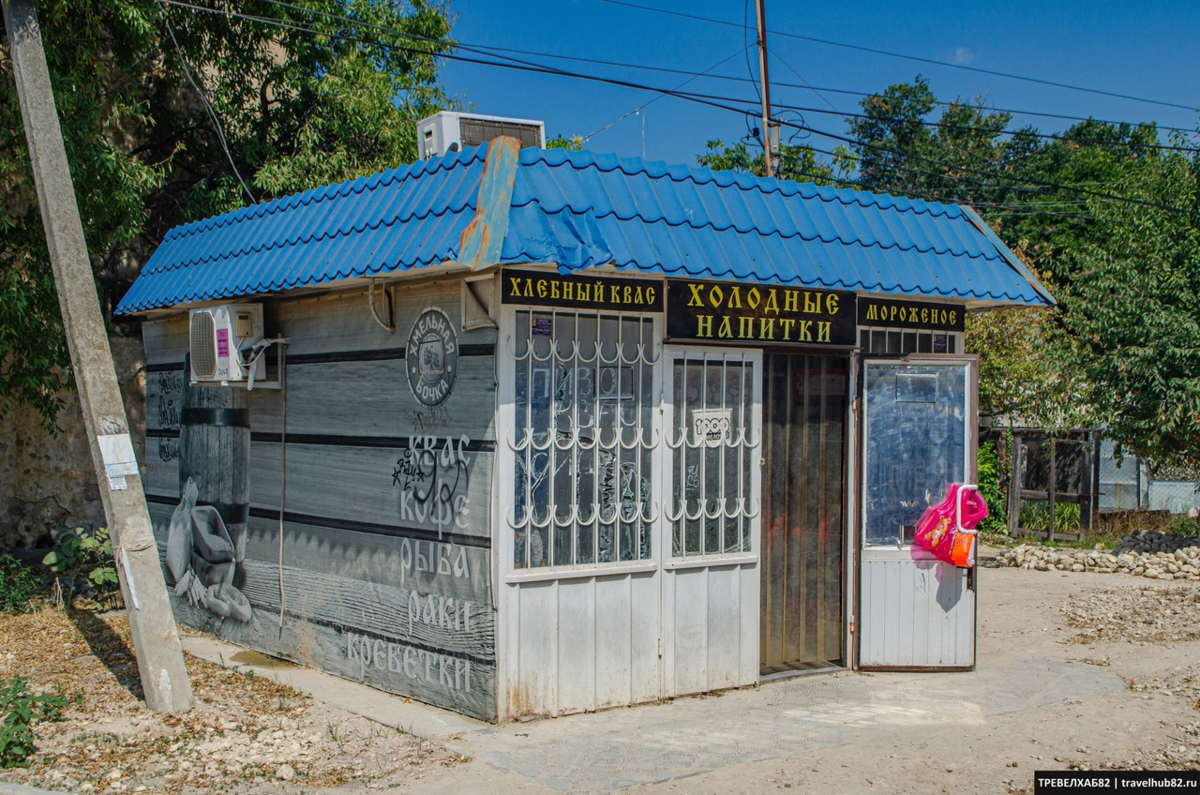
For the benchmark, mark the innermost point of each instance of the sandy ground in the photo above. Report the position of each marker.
(245, 733)
(1081, 670)
(1077, 670)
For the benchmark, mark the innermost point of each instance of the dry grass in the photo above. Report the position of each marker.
(245, 734)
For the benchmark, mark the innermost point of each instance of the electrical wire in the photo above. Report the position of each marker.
(788, 66)
(491, 50)
(916, 58)
(745, 30)
(943, 200)
(1110, 197)
(283, 349)
(639, 109)
(701, 99)
(212, 114)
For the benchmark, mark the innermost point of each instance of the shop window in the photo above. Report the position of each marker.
(583, 449)
(713, 454)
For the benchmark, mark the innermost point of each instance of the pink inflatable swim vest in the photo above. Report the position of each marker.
(948, 528)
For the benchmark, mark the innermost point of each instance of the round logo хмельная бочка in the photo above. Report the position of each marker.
(431, 357)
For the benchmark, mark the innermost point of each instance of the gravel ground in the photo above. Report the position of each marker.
(1134, 613)
(246, 730)
(245, 734)
(1147, 615)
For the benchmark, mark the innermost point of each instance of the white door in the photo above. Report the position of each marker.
(712, 418)
(919, 434)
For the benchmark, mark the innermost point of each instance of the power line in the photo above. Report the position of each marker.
(1099, 194)
(788, 66)
(486, 50)
(985, 205)
(916, 58)
(808, 87)
(212, 114)
(640, 108)
(944, 125)
(701, 99)
(492, 50)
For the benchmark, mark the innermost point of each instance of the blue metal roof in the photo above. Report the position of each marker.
(583, 210)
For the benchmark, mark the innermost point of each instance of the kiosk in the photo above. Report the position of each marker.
(538, 432)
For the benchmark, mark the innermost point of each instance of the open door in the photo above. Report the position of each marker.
(919, 434)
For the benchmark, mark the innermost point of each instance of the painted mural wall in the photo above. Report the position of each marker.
(384, 571)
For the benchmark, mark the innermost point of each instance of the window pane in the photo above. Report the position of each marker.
(584, 404)
(712, 447)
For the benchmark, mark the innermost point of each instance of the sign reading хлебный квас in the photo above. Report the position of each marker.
(736, 312)
(535, 288)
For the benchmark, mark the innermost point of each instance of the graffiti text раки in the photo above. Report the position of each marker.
(432, 475)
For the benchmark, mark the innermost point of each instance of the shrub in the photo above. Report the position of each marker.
(18, 585)
(988, 465)
(81, 557)
(20, 708)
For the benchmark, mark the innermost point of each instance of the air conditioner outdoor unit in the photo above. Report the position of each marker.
(220, 343)
(449, 131)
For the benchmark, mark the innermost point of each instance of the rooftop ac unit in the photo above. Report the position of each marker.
(449, 131)
(220, 339)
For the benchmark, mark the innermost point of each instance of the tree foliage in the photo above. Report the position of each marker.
(574, 143)
(1131, 311)
(796, 162)
(297, 107)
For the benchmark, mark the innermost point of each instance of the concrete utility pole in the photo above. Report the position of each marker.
(155, 639)
(770, 130)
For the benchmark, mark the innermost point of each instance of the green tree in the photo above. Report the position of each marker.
(1132, 310)
(574, 143)
(332, 100)
(798, 163)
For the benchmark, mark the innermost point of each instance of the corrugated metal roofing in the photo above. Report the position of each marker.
(583, 210)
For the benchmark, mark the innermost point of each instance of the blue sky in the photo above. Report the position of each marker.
(1141, 49)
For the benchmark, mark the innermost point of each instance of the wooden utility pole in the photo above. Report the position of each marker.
(768, 144)
(155, 639)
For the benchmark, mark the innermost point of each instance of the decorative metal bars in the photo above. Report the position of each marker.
(583, 448)
(712, 455)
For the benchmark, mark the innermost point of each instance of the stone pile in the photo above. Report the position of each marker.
(1177, 564)
(1150, 541)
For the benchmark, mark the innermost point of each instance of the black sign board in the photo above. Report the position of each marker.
(534, 288)
(910, 314)
(729, 312)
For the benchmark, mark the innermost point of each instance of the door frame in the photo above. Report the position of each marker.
(971, 473)
(849, 502)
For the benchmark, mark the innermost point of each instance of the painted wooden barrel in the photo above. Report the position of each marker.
(214, 450)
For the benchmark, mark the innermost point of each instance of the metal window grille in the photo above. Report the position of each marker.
(885, 340)
(584, 442)
(712, 455)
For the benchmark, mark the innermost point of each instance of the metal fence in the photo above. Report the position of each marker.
(1126, 485)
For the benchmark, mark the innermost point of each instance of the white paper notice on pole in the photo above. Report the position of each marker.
(116, 450)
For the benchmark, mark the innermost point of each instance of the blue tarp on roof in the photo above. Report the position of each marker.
(582, 210)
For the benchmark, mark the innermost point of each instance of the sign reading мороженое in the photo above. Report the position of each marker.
(752, 313)
(580, 292)
(910, 314)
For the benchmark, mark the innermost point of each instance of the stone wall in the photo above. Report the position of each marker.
(48, 480)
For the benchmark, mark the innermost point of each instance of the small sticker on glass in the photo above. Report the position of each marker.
(543, 327)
